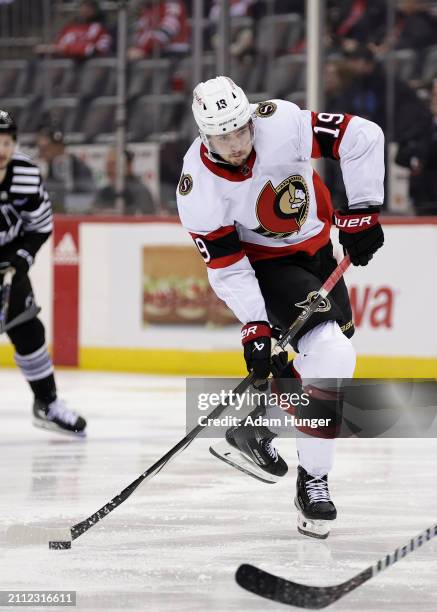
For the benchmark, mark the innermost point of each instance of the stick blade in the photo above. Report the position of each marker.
(25, 535)
(267, 585)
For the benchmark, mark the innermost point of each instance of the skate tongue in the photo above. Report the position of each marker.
(270, 449)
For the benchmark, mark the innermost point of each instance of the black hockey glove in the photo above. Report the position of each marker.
(256, 338)
(19, 261)
(360, 233)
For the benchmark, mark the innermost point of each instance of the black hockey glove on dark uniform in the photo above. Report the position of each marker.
(20, 260)
(256, 338)
(360, 233)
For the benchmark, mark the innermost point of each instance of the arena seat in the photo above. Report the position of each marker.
(99, 119)
(429, 71)
(154, 114)
(98, 78)
(278, 34)
(56, 78)
(13, 78)
(286, 76)
(148, 76)
(59, 112)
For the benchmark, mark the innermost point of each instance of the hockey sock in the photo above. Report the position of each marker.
(37, 369)
(325, 357)
(316, 455)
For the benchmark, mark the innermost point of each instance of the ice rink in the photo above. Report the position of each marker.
(176, 543)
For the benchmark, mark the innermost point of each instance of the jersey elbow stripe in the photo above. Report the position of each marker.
(226, 260)
(220, 248)
(226, 230)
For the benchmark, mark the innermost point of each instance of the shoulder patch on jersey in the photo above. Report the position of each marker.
(266, 109)
(185, 184)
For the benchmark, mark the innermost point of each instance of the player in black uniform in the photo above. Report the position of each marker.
(26, 222)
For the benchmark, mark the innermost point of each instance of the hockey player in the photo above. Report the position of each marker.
(25, 224)
(260, 217)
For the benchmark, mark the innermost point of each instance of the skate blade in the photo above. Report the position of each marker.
(311, 527)
(225, 452)
(50, 426)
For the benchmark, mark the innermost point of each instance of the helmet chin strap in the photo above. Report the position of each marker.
(215, 157)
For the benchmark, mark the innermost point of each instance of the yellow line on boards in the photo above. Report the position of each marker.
(222, 363)
(231, 363)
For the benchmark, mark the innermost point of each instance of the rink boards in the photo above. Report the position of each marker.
(132, 295)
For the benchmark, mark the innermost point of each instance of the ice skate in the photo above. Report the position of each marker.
(316, 511)
(57, 417)
(249, 448)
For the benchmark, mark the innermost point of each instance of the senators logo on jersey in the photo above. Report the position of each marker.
(266, 109)
(282, 210)
(185, 184)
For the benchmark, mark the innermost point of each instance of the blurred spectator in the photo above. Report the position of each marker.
(161, 26)
(423, 183)
(356, 22)
(336, 78)
(86, 36)
(171, 156)
(415, 27)
(242, 42)
(137, 197)
(366, 96)
(281, 7)
(68, 179)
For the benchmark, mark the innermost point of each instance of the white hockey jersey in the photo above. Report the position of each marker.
(275, 204)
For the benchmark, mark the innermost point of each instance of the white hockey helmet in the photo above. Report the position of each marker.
(220, 106)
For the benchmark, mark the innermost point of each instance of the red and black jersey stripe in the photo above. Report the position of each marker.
(328, 131)
(220, 248)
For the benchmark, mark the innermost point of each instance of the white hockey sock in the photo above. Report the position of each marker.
(36, 365)
(316, 455)
(325, 355)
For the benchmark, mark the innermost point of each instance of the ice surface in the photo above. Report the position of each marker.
(176, 543)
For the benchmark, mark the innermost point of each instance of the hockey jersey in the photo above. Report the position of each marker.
(163, 25)
(26, 219)
(84, 39)
(275, 204)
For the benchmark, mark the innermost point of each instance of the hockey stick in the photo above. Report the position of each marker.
(6, 295)
(23, 317)
(20, 534)
(27, 315)
(284, 591)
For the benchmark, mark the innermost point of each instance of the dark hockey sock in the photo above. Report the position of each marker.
(44, 389)
(37, 369)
